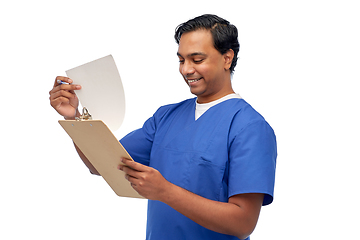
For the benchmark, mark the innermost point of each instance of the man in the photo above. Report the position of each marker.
(206, 164)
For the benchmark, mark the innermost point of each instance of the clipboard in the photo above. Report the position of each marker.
(102, 149)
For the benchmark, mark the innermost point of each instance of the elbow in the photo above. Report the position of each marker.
(244, 230)
(95, 173)
(243, 234)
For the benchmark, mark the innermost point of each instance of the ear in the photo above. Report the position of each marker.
(228, 57)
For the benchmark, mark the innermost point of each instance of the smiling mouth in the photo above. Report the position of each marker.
(193, 80)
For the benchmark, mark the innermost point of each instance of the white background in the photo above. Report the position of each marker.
(298, 66)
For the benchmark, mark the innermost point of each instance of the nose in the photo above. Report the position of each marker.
(187, 69)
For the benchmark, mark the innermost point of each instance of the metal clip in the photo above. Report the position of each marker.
(85, 115)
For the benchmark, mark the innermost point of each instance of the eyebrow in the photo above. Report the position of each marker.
(193, 54)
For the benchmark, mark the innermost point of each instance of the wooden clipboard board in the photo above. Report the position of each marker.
(103, 150)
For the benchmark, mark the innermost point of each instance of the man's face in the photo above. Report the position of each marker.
(202, 66)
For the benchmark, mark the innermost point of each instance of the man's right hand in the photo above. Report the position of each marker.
(63, 98)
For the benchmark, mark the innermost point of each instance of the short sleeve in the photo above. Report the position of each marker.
(139, 142)
(252, 161)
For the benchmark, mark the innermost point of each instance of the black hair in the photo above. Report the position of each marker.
(225, 35)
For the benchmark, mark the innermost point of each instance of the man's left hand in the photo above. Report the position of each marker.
(147, 181)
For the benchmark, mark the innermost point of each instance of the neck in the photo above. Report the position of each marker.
(214, 97)
(226, 89)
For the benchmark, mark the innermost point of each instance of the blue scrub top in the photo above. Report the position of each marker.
(229, 150)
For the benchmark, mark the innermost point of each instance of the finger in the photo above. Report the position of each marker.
(68, 87)
(71, 88)
(134, 165)
(129, 172)
(132, 181)
(126, 161)
(60, 79)
(62, 93)
(58, 101)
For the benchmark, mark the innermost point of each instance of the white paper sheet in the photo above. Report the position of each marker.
(102, 92)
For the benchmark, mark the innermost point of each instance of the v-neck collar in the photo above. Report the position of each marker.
(183, 132)
(201, 108)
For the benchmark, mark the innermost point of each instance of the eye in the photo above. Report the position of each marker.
(198, 60)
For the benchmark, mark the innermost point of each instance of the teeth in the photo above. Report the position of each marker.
(194, 80)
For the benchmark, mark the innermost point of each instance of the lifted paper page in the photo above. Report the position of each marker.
(102, 92)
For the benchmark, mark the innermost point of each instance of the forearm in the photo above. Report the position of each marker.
(81, 154)
(237, 217)
(227, 218)
(86, 161)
